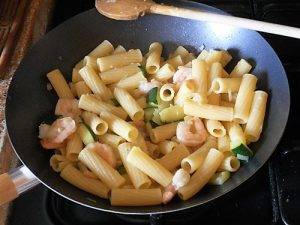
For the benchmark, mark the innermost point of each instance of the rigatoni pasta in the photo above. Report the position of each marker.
(145, 128)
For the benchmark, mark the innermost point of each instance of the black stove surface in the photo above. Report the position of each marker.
(271, 196)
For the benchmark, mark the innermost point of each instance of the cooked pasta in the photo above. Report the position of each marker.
(59, 84)
(153, 60)
(149, 166)
(117, 74)
(94, 82)
(76, 178)
(202, 175)
(244, 98)
(119, 60)
(256, 118)
(137, 177)
(108, 175)
(139, 129)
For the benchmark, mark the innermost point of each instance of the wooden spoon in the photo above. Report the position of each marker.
(132, 9)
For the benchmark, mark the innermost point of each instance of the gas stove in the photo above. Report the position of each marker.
(271, 196)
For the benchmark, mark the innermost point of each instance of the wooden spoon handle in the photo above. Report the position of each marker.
(8, 190)
(14, 183)
(228, 20)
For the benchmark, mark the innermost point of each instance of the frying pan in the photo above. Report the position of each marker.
(29, 103)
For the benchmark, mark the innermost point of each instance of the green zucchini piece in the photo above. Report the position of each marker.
(242, 152)
(85, 134)
(152, 97)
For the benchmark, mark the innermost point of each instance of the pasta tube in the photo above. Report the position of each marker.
(226, 85)
(173, 159)
(153, 60)
(175, 61)
(90, 62)
(229, 163)
(108, 175)
(119, 49)
(200, 75)
(166, 147)
(119, 60)
(202, 175)
(76, 178)
(76, 76)
(241, 68)
(94, 82)
(117, 74)
(92, 104)
(172, 114)
(59, 84)
(215, 128)
(129, 104)
(138, 178)
(213, 56)
(244, 98)
(58, 162)
(131, 82)
(163, 132)
(187, 88)
(235, 132)
(167, 92)
(97, 125)
(74, 146)
(165, 72)
(212, 112)
(195, 160)
(149, 166)
(112, 140)
(103, 49)
(82, 88)
(120, 127)
(224, 143)
(256, 118)
(135, 197)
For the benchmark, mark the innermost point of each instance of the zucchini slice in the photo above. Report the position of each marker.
(242, 152)
(152, 97)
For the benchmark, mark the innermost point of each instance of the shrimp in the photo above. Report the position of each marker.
(145, 87)
(68, 107)
(191, 132)
(180, 179)
(182, 74)
(59, 130)
(46, 144)
(105, 152)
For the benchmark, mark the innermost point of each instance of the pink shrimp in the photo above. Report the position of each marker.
(46, 144)
(182, 74)
(145, 87)
(105, 152)
(180, 179)
(60, 130)
(191, 132)
(68, 107)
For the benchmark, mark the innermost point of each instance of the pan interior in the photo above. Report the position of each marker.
(29, 103)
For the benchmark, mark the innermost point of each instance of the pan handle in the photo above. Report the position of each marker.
(16, 182)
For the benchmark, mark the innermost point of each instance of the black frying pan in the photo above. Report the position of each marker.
(29, 102)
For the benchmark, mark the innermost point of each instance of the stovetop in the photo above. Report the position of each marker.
(271, 196)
